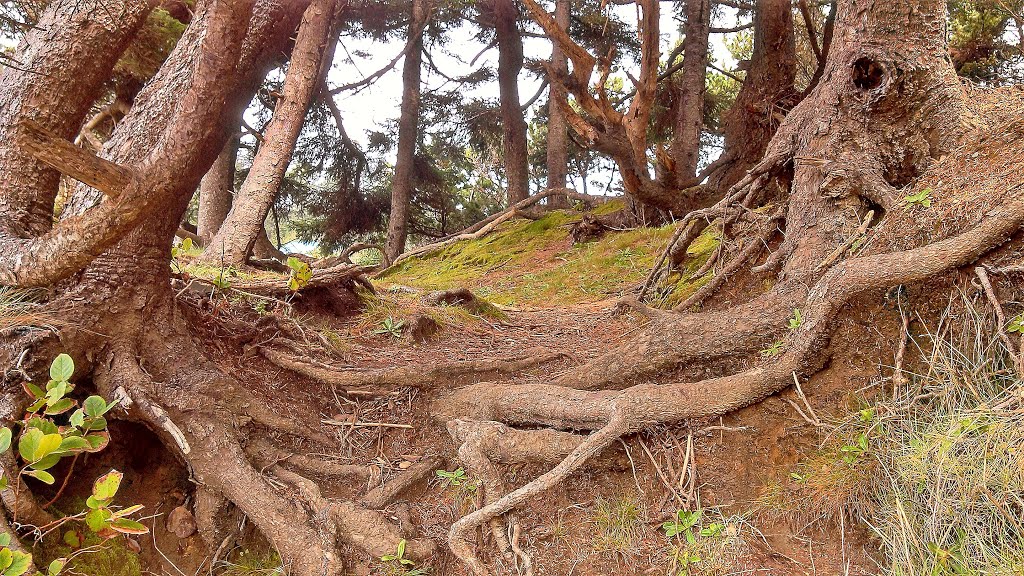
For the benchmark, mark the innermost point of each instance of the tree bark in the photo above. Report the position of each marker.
(216, 192)
(510, 63)
(233, 243)
(558, 135)
(689, 120)
(402, 184)
(766, 96)
(68, 57)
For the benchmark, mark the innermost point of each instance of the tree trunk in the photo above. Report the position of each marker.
(558, 135)
(510, 63)
(689, 120)
(233, 243)
(216, 192)
(402, 184)
(69, 55)
(766, 96)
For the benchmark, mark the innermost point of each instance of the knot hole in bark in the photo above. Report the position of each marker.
(867, 74)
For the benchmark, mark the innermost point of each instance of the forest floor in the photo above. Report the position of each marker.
(734, 478)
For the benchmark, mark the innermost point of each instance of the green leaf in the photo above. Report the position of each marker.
(97, 441)
(128, 511)
(20, 564)
(71, 538)
(46, 463)
(5, 539)
(95, 424)
(106, 486)
(62, 368)
(41, 475)
(33, 390)
(73, 444)
(5, 438)
(6, 558)
(96, 406)
(59, 407)
(56, 566)
(126, 526)
(77, 418)
(57, 392)
(44, 424)
(97, 518)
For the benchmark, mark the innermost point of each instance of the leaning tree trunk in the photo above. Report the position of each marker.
(558, 126)
(888, 118)
(402, 183)
(233, 243)
(510, 63)
(689, 113)
(216, 192)
(68, 56)
(766, 96)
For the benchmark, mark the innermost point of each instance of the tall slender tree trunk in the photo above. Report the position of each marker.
(689, 117)
(767, 94)
(558, 135)
(510, 63)
(68, 55)
(216, 192)
(313, 51)
(402, 184)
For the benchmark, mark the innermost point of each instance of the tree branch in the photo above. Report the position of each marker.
(65, 157)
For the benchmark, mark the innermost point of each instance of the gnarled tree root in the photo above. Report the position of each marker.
(409, 376)
(613, 415)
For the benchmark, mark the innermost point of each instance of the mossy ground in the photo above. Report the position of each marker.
(533, 263)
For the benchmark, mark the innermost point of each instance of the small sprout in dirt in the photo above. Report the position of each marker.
(867, 415)
(618, 523)
(1016, 325)
(853, 452)
(399, 564)
(626, 257)
(797, 477)
(773, 350)
(797, 320)
(223, 279)
(299, 274)
(683, 524)
(457, 477)
(922, 198)
(391, 326)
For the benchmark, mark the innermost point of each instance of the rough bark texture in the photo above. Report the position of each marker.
(689, 120)
(69, 56)
(216, 192)
(558, 135)
(766, 96)
(402, 183)
(233, 243)
(510, 63)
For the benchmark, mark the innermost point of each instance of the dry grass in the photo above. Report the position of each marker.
(936, 469)
(20, 309)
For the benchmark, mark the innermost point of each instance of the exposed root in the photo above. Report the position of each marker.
(749, 252)
(990, 293)
(409, 376)
(265, 455)
(614, 415)
(384, 495)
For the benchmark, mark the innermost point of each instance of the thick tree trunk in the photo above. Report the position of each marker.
(402, 184)
(510, 63)
(216, 192)
(689, 120)
(558, 134)
(68, 56)
(766, 96)
(313, 51)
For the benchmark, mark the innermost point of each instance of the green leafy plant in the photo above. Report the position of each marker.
(299, 274)
(400, 564)
(391, 326)
(56, 427)
(1016, 325)
(852, 452)
(683, 524)
(797, 320)
(774, 350)
(922, 198)
(457, 477)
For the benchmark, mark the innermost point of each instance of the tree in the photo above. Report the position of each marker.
(510, 63)
(689, 120)
(880, 124)
(402, 183)
(216, 192)
(558, 135)
(314, 48)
